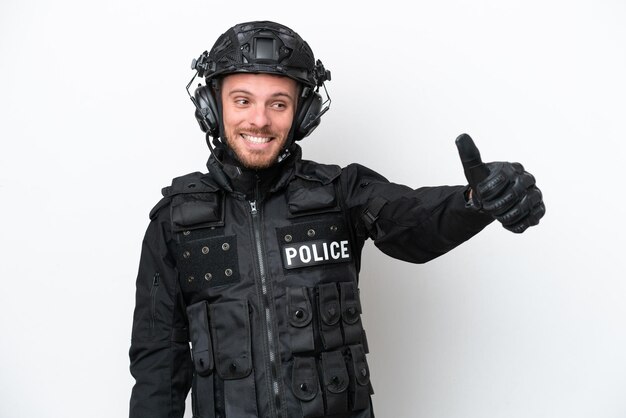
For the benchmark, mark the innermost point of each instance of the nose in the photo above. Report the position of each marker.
(259, 117)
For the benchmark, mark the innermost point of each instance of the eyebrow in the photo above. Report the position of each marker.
(277, 94)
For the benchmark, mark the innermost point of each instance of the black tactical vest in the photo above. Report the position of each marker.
(271, 289)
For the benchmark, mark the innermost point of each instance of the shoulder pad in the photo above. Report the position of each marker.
(322, 173)
(191, 183)
(195, 182)
(162, 203)
(362, 173)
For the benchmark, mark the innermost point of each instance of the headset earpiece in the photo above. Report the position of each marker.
(308, 117)
(206, 111)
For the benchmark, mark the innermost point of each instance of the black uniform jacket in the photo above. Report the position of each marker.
(262, 280)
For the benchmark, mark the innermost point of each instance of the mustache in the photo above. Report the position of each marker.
(257, 132)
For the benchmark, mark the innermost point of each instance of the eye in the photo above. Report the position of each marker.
(241, 101)
(279, 105)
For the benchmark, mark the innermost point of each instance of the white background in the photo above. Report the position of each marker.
(95, 120)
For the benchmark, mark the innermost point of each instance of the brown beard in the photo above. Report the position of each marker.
(250, 162)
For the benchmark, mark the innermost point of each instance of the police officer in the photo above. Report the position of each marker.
(247, 290)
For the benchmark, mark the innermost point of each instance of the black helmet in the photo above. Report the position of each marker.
(262, 47)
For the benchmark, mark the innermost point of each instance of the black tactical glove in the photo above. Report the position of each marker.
(502, 189)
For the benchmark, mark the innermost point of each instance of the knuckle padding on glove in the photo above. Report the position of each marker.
(518, 184)
(501, 174)
(492, 186)
(521, 208)
(532, 218)
(517, 228)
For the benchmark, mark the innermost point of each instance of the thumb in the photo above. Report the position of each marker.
(475, 170)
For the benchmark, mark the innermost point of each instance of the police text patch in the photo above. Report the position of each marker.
(313, 243)
(312, 253)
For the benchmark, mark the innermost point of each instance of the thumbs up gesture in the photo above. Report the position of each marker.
(502, 189)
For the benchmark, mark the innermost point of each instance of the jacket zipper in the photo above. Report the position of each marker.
(153, 293)
(267, 311)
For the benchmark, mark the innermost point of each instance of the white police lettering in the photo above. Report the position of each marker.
(344, 249)
(315, 256)
(290, 253)
(305, 254)
(312, 253)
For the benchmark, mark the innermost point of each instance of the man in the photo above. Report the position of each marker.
(256, 262)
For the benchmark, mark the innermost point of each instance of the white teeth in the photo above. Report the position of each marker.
(256, 139)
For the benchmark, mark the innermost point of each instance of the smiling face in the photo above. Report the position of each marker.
(257, 111)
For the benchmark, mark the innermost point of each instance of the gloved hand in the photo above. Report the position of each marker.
(502, 189)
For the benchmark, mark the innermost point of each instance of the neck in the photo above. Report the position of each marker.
(252, 183)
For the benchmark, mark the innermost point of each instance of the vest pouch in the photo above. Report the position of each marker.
(203, 396)
(201, 347)
(335, 382)
(307, 198)
(351, 313)
(230, 329)
(198, 210)
(330, 315)
(300, 314)
(366, 346)
(202, 355)
(306, 387)
(312, 190)
(360, 388)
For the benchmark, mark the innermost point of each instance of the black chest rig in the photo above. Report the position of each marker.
(271, 287)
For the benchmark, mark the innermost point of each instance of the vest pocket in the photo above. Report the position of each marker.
(305, 386)
(197, 210)
(303, 200)
(342, 385)
(203, 397)
(300, 314)
(203, 401)
(201, 347)
(360, 388)
(335, 382)
(351, 313)
(230, 329)
(330, 314)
